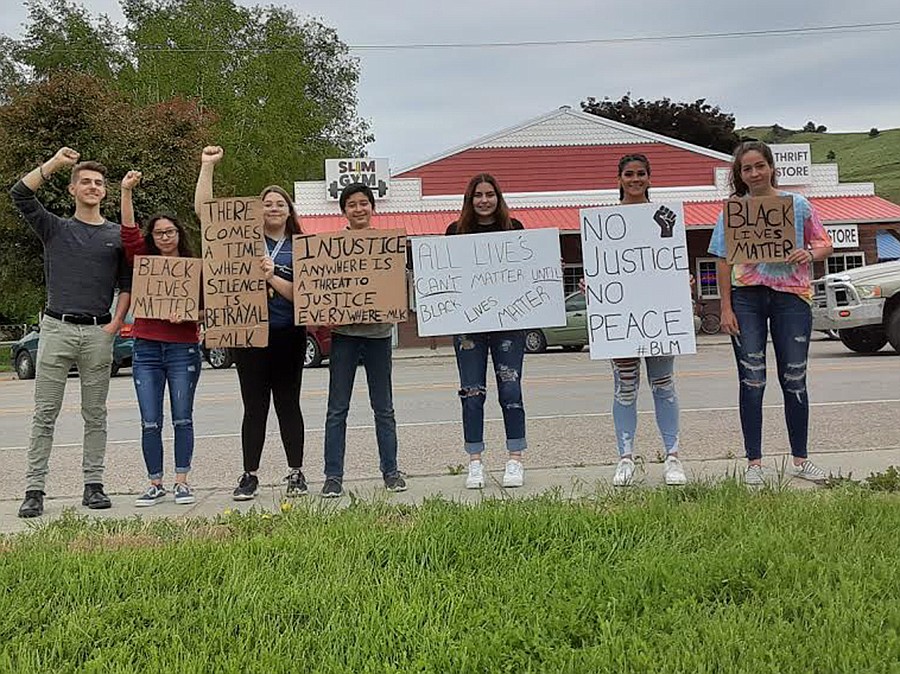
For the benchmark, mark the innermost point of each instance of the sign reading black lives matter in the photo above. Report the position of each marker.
(234, 286)
(488, 282)
(638, 282)
(353, 276)
(759, 229)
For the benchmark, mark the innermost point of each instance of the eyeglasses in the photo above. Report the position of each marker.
(165, 233)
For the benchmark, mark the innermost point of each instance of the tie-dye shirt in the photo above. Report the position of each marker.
(782, 276)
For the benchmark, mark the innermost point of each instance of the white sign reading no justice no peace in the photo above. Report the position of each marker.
(471, 283)
(638, 281)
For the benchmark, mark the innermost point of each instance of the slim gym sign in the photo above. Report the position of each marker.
(342, 172)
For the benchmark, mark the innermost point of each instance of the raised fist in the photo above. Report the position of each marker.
(665, 218)
(212, 154)
(65, 156)
(131, 180)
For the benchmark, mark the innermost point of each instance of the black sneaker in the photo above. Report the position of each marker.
(246, 489)
(33, 505)
(332, 488)
(94, 498)
(395, 482)
(296, 484)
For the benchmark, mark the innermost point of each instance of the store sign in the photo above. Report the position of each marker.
(375, 173)
(793, 163)
(843, 236)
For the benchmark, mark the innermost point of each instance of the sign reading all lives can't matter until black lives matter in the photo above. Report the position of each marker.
(234, 285)
(637, 280)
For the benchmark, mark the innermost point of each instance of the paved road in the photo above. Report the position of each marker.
(856, 404)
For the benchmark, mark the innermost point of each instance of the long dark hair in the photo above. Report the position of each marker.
(184, 246)
(627, 159)
(738, 187)
(468, 220)
(292, 224)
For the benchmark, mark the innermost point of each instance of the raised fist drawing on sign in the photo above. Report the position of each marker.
(665, 217)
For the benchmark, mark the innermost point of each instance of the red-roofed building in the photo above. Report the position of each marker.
(552, 166)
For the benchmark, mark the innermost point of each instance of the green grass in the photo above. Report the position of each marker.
(859, 157)
(706, 579)
(5, 364)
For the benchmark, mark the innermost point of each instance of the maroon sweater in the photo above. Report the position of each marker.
(152, 328)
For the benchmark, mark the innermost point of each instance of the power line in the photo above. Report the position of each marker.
(773, 32)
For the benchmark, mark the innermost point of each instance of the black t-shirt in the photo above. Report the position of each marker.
(484, 229)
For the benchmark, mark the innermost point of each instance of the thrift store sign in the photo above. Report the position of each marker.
(759, 229)
(637, 281)
(354, 276)
(488, 282)
(234, 286)
(166, 287)
(793, 163)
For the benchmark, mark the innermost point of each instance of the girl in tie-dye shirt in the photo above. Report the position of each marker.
(758, 297)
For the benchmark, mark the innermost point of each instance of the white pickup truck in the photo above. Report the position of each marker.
(862, 304)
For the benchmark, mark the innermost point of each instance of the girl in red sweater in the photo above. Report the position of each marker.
(165, 352)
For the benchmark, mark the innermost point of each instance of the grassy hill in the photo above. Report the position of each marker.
(859, 157)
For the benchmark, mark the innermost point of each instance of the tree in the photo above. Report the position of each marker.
(809, 127)
(874, 132)
(86, 113)
(699, 122)
(283, 89)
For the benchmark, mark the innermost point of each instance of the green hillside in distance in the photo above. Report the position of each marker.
(860, 158)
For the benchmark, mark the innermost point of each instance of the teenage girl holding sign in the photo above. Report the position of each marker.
(777, 296)
(634, 188)
(273, 372)
(485, 210)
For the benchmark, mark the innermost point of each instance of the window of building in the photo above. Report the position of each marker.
(572, 274)
(839, 262)
(707, 284)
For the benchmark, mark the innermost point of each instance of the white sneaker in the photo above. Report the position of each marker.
(673, 472)
(810, 471)
(475, 478)
(754, 476)
(624, 472)
(514, 475)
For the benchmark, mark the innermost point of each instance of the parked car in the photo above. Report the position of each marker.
(571, 337)
(318, 348)
(24, 352)
(862, 304)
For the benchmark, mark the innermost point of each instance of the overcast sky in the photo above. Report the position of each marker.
(423, 102)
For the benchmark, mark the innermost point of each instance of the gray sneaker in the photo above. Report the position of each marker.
(754, 476)
(183, 494)
(154, 494)
(810, 471)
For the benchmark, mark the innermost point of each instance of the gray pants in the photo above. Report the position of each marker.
(61, 345)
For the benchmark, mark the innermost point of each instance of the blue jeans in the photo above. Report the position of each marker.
(153, 365)
(627, 379)
(346, 352)
(757, 309)
(507, 351)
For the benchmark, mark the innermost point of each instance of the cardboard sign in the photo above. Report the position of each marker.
(163, 287)
(234, 286)
(353, 276)
(637, 275)
(488, 282)
(759, 229)
(793, 163)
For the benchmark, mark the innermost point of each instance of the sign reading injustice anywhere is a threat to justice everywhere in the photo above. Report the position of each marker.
(234, 285)
(759, 229)
(488, 282)
(353, 276)
(166, 287)
(637, 281)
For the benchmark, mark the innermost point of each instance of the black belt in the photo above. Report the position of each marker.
(79, 319)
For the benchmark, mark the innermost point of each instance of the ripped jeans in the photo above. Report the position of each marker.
(757, 309)
(507, 351)
(155, 364)
(627, 379)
